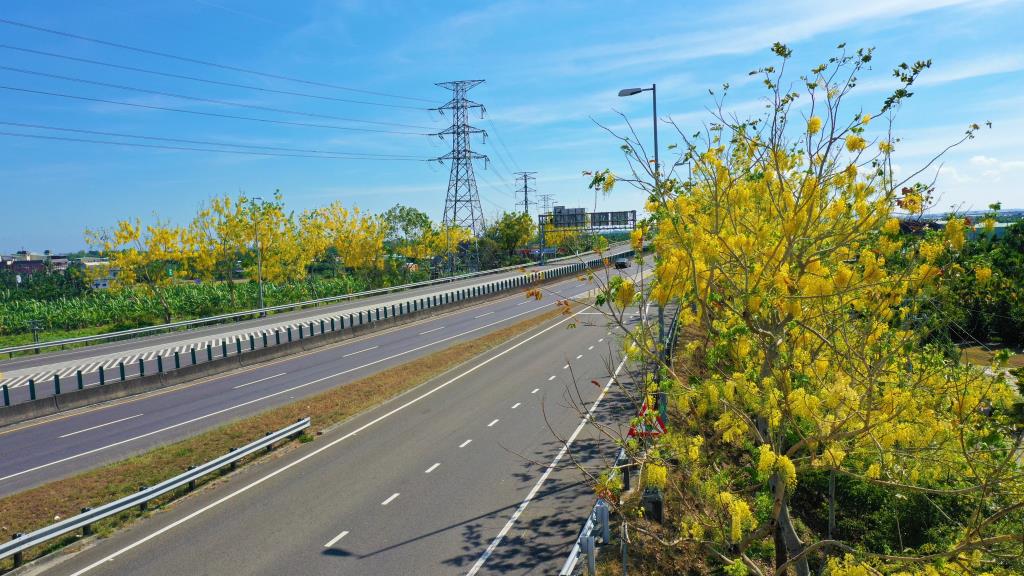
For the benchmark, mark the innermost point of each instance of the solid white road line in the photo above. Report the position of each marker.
(99, 426)
(390, 499)
(552, 377)
(466, 443)
(484, 314)
(493, 422)
(535, 390)
(516, 405)
(110, 557)
(257, 381)
(334, 540)
(359, 351)
(543, 477)
(434, 330)
(432, 468)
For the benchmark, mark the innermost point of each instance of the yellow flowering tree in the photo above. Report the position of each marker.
(150, 256)
(799, 299)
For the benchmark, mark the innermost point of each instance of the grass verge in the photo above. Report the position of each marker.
(37, 507)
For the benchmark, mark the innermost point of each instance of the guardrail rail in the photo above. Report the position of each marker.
(85, 520)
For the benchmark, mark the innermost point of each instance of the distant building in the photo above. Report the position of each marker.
(26, 263)
(99, 270)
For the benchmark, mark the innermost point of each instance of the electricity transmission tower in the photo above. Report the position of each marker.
(462, 204)
(546, 200)
(525, 178)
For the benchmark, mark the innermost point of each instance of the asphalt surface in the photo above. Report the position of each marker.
(16, 372)
(60, 446)
(465, 474)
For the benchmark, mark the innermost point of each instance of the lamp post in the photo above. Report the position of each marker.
(259, 250)
(657, 173)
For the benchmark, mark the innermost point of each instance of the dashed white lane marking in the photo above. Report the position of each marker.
(484, 314)
(98, 426)
(552, 377)
(466, 443)
(535, 390)
(609, 334)
(600, 340)
(493, 422)
(566, 367)
(432, 468)
(521, 303)
(433, 330)
(334, 540)
(543, 477)
(590, 348)
(257, 381)
(578, 356)
(516, 405)
(359, 351)
(390, 499)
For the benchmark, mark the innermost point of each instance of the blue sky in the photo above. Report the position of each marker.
(552, 69)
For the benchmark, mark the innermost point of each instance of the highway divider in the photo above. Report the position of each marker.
(84, 521)
(199, 364)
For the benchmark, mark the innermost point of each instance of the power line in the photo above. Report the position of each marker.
(208, 100)
(501, 141)
(194, 149)
(206, 142)
(203, 62)
(213, 114)
(208, 80)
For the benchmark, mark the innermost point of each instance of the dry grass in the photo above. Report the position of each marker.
(37, 507)
(982, 357)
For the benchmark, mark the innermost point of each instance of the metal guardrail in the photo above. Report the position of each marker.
(20, 543)
(598, 519)
(134, 332)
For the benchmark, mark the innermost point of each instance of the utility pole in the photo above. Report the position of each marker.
(259, 250)
(525, 177)
(546, 200)
(462, 203)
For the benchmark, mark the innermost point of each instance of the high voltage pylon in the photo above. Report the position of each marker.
(546, 200)
(462, 204)
(525, 190)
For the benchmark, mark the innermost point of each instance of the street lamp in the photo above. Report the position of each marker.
(259, 250)
(657, 174)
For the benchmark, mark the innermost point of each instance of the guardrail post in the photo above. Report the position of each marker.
(311, 328)
(224, 348)
(378, 313)
(142, 367)
(193, 352)
(191, 483)
(87, 529)
(277, 336)
(270, 447)
(209, 352)
(7, 396)
(264, 339)
(238, 345)
(289, 333)
(587, 547)
(78, 377)
(301, 331)
(252, 342)
(602, 518)
(31, 389)
(19, 557)
(234, 463)
(392, 310)
(56, 384)
(159, 364)
(144, 504)
(103, 379)
(177, 360)
(360, 317)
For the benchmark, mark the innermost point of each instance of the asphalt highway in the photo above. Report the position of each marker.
(466, 474)
(60, 446)
(41, 368)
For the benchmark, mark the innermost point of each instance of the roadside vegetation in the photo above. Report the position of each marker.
(819, 417)
(161, 272)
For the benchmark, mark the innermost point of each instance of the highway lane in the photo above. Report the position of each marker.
(462, 475)
(42, 367)
(64, 445)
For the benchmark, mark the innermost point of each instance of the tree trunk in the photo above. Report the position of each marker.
(791, 541)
